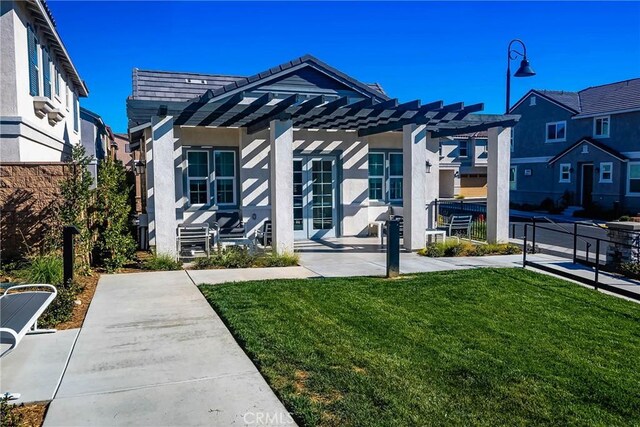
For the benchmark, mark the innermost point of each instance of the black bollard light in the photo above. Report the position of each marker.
(393, 248)
(68, 255)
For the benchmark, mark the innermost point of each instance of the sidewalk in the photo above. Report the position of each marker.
(152, 352)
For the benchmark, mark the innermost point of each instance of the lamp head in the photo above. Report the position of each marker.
(524, 70)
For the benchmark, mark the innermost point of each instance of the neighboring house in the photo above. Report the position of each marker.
(121, 150)
(97, 139)
(39, 120)
(463, 165)
(582, 147)
(302, 144)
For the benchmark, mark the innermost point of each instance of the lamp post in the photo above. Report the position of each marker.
(524, 70)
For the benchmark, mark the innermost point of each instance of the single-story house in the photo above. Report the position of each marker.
(302, 144)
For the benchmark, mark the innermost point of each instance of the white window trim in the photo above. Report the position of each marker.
(394, 176)
(513, 185)
(207, 178)
(602, 165)
(225, 178)
(546, 131)
(562, 167)
(595, 119)
(629, 193)
(384, 162)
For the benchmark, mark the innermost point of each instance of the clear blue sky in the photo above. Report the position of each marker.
(429, 51)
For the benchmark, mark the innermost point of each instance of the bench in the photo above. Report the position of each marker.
(193, 238)
(264, 234)
(458, 223)
(19, 312)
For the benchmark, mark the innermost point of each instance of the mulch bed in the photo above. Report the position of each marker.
(89, 284)
(32, 414)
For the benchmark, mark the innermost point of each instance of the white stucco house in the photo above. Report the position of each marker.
(302, 144)
(40, 86)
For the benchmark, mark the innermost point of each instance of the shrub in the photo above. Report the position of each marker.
(630, 269)
(9, 414)
(547, 204)
(115, 245)
(61, 308)
(452, 248)
(44, 269)
(161, 262)
(274, 259)
(240, 257)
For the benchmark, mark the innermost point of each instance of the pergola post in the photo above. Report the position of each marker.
(498, 164)
(281, 185)
(161, 184)
(432, 179)
(414, 149)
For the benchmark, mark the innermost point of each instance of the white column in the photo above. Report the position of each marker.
(161, 184)
(432, 179)
(281, 185)
(498, 164)
(414, 181)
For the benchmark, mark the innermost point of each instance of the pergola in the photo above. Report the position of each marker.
(421, 125)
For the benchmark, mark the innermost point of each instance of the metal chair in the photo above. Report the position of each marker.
(194, 238)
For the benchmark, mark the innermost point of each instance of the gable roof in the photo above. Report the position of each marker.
(181, 86)
(594, 100)
(594, 143)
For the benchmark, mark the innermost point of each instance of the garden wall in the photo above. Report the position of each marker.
(29, 194)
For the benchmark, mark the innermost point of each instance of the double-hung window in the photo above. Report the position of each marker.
(198, 176)
(385, 177)
(601, 127)
(76, 112)
(565, 172)
(463, 148)
(57, 81)
(606, 172)
(32, 41)
(633, 184)
(225, 173)
(46, 73)
(513, 178)
(395, 177)
(556, 132)
(376, 176)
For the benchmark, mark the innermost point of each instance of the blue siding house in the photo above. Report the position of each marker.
(578, 148)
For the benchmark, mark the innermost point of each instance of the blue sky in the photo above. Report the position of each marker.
(416, 50)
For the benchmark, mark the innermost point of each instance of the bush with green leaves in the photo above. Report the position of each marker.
(9, 414)
(115, 244)
(44, 269)
(161, 262)
(630, 269)
(453, 248)
(273, 259)
(240, 257)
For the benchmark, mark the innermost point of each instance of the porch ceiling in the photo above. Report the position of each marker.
(368, 116)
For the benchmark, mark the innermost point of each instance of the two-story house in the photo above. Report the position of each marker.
(463, 165)
(578, 148)
(39, 119)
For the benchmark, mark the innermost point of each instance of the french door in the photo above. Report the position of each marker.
(314, 197)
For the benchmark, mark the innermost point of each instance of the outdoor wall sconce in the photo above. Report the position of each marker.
(456, 174)
(428, 165)
(138, 167)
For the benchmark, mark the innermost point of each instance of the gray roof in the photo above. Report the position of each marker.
(182, 86)
(603, 99)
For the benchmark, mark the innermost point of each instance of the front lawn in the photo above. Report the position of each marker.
(473, 347)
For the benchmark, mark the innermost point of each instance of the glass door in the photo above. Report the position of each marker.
(314, 197)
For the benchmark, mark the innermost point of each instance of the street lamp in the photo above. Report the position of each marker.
(524, 70)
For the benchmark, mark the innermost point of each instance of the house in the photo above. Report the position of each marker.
(463, 165)
(39, 120)
(302, 144)
(97, 138)
(578, 148)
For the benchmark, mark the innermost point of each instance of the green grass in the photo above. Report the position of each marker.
(474, 347)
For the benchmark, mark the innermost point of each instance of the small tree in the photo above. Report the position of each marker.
(115, 244)
(76, 203)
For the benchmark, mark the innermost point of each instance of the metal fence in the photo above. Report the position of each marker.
(478, 212)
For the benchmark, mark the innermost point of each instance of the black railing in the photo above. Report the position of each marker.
(589, 241)
(478, 212)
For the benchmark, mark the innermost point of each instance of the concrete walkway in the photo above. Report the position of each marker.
(152, 352)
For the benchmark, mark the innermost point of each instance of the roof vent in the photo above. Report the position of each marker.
(197, 81)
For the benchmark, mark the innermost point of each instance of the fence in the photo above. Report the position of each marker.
(592, 254)
(478, 212)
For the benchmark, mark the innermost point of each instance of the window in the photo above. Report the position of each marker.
(463, 148)
(532, 101)
(601, 127)
(633, 186)
(376, 176)
(395, 177)
(483, 145)
(511, 140)
(76, 112)
(198, 177)
(513, 178)
(46, 73)
(225, 167)
(34, 84)
(606, 172)
(385, 178)
(556, 132)
(565, 172)
(57, 80)
(68, 102)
